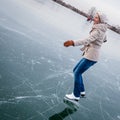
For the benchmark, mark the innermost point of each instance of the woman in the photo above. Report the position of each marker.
(91, 51)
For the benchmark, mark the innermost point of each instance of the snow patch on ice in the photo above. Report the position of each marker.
(49, 61)
(42, 58)
(5, 102)
(72, 60)
(25, 97)
(118, 116)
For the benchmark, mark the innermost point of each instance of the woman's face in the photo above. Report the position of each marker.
(96, 19)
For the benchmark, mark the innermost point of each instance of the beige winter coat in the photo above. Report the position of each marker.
(92, 44)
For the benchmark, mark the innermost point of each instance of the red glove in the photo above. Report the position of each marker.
(68, 43)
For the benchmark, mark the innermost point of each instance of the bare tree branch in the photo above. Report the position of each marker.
(113, 28)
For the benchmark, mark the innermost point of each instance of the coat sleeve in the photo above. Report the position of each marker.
(93, 36)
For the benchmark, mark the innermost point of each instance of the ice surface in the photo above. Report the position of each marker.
(36, 70)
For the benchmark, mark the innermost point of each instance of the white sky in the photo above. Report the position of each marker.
(110, 7)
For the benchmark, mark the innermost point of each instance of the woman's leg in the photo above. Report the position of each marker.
(80, 68)
(78, 64)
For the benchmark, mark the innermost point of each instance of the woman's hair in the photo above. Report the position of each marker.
(102, 16)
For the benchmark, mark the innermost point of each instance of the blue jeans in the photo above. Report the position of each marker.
(80, 68)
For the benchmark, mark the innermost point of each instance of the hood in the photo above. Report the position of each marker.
(101, 26)
(103, 17)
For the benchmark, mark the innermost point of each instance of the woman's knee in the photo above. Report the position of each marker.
(77, 73)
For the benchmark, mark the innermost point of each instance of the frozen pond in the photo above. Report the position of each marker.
(36, 70)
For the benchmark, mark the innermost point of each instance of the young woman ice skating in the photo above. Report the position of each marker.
(91, 50)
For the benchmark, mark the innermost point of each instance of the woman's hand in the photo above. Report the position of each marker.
(68, 43)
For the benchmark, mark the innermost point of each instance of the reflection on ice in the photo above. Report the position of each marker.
(61, 115)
